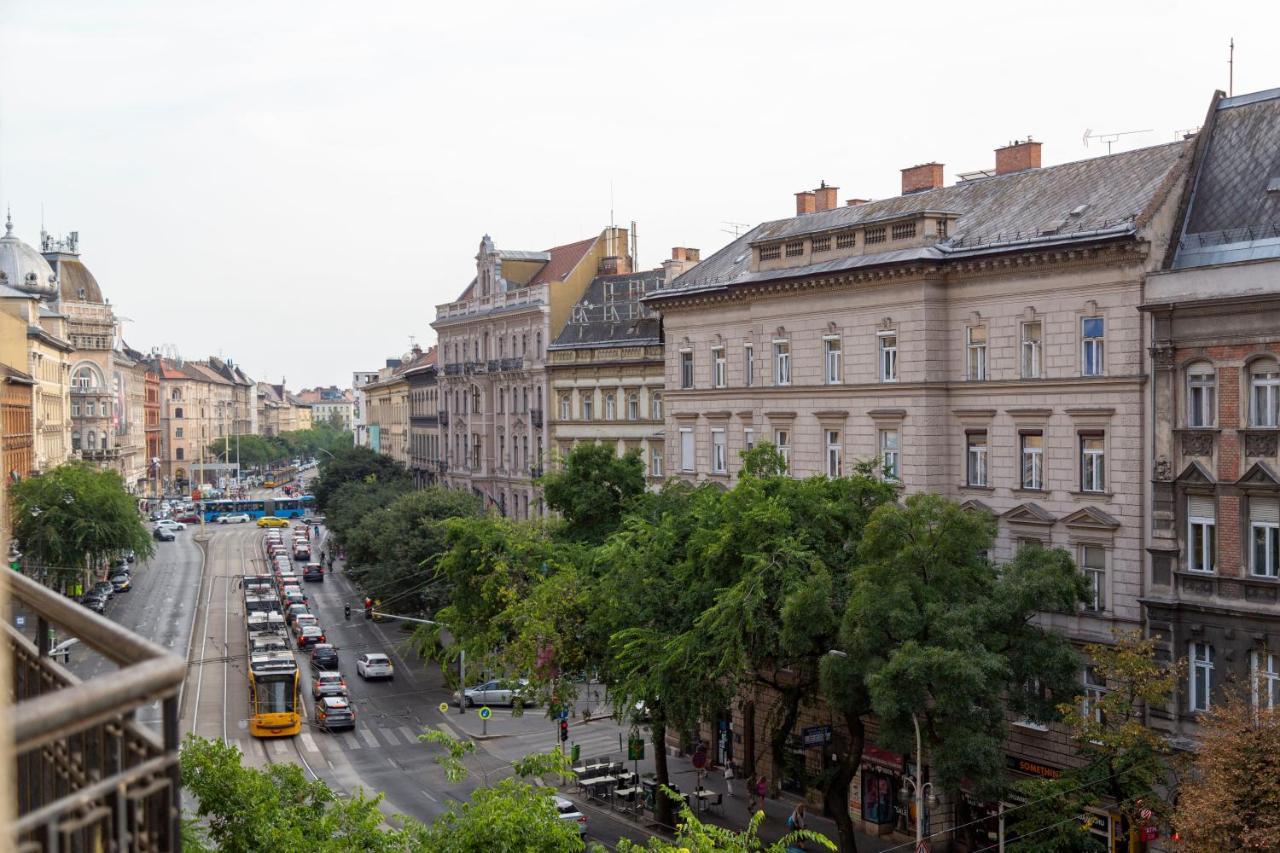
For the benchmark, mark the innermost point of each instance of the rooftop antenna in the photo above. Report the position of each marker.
(1109, 139)
(735, 228)
(1231, 67)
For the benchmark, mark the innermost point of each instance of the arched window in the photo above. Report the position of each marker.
(86, 378)
(610, 408)
(1202, 388)
(565, 408)
(1264, 393)
(633, 406)
(538, 350)
(475, 400)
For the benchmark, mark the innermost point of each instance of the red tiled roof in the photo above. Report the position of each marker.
(563, 260)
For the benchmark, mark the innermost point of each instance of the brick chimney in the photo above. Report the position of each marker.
(854, 202)
(926, 176)
(1018, 157)
(682, 260)
(806, 202)
(826, 197)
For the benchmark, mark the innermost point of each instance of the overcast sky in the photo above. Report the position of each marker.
(296, 186)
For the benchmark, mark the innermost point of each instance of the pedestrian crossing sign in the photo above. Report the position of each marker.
(444, 707)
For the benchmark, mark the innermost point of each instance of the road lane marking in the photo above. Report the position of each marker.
(368, 738)
(409, 735)
(429, 797)
(391, 736)
(309, 742)
(352, 742)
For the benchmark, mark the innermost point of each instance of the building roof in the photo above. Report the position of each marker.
(1108, 196)
(563, 261)
(75, 282)
(13, 374)
(1232, 210)
(611, 312)
(22, 267)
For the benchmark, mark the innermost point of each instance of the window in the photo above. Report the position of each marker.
(655, 405)
(1091, 362)
(795, 248)
(610, 408)
(717, 451)
(1201, 533)
(903, 230)
(1200, 676)
(633, 406)
(565, 408)
(781, 363)
(1093, 562)
(75, 440)
(587, 405)
(1032, 449)
(822, 244)
(1095, 687)
(771, 253)
(749, 365)
(1264, 529)
(538, 351)
(1266, 680)
(976, 343)
(847, 240)
(1031, 337)
(976, 467)
(75, 410)
(686, 369)
(686, 449)
(889, 454)
(835, 466)
(831, 349)
(888, 342)
(1264, 394)
(177, 454)
(873, 236)
(655, 462)
(177, 433)
(748, 438)
(177, 413)
(1202, 395)
(1093, 474)
(782, 440)
(942, 229)
(720, 368)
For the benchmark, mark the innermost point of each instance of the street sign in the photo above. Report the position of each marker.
(923, 846)
(485, 713)
(22, 622)
(1150, 833)
(563, 714)
(444, 707)
(816, 735)
(1145, 814)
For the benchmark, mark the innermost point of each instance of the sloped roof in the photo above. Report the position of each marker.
(563, 261)
(13, 374)
(610, 312)
(1111, 195)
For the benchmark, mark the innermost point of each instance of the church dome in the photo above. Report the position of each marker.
(77, 283)
(22, 267)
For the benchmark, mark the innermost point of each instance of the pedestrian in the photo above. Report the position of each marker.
(795, 823)
(729, 773)
(753, 794)
(762, 789)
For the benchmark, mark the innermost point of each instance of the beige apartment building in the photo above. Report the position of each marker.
(606, 368)
(197, 408)
(981, 341)
(492, 350)
(330, 405)
(387, 399)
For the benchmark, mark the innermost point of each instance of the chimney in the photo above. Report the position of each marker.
(806, 202)
(926, 176)
(682, 260)
(609, 265)
(854, 202)
(1018, 157)
(826, 197)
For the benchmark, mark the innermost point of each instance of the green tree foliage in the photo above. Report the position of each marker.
(73, 519)
(354, 464)
(511, 815)
(693, 836)
(264, 451)
(593, 489)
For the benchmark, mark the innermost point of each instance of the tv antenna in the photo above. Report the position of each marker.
(735, 228)
(1109, 139)
(1231, 67)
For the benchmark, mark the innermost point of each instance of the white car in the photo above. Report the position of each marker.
(497, 692)
(569, 812)
(170, 524)
(374, 665)
(234, 518)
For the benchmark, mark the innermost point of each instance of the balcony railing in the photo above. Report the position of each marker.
(454, 369)
(535, 416)
(88, 777)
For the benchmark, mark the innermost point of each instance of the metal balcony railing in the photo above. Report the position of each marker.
(88, 777)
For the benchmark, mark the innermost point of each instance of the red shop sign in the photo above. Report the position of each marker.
(878, 757)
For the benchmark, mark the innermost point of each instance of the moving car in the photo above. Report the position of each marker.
(170, 524)
(324, 656)
(310, 635)
(295, 611)
(234, 518)
(163, 534)
(375, 665)
(272, 521)
(313, 572)
(187, 518)
(120, 582)
(569, 812)
(335, 712)
(497, 692)
(326, 683)
(303, 620)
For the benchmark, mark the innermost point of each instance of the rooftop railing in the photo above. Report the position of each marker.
(88, 776)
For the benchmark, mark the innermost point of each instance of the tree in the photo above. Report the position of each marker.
(73, 519)
(593, 489)
(511, 815)
(693, 836)
(352, 464)
(1232, 799)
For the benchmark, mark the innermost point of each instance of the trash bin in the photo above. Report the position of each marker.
(650, 792)
(574, 752)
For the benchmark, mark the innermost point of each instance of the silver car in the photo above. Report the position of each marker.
(569, 812)
(498, 692)
(328, 684)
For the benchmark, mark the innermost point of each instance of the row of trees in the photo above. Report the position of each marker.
(263, 451)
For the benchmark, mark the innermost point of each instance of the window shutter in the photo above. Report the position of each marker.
(1265, 509)
(1201, 506)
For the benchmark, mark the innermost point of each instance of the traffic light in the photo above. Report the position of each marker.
(368, 609)
(564, 730)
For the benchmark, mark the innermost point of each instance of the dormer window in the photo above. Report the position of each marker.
(795, 248)
(904, 230)
(873, 236)
(942, 229)
(770, 253)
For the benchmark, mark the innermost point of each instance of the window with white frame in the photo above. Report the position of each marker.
(976, 458)
(565, 408)
(781, 363)
(835, 463)
(1091, 346)
(655, 405)
(1200, 677)
(1264, 534)
(1093, 563)
(633, 406)
(748, 365)
(1095, 687)
(718, 451)
(75, 410)
(686, 448)
(1266, 679)
(831, 360)
(1264, 394)
(610, 407)
(1032, 350)
(976, 347)
(720, 374)
(1202, 395)
(782, 441)
(1093, 458)
(588, 406)
(686, 369)
(890, 458)
(1032, 450)
(655, 462)
(888, 346)
(1202, 532)
(748, 438)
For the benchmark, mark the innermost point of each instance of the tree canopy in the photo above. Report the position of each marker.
(354, 464)
(592, 489)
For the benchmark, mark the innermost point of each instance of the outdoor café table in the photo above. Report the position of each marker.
(703, 796)
(596, 782)
(623, 793)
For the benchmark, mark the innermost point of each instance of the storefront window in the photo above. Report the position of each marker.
(879, 796)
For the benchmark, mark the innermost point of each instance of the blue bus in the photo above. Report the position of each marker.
(258, 507)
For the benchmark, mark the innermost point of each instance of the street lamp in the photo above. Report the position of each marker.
(918, 786)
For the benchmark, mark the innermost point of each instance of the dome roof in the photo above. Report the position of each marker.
(78, 284)
(24, 268)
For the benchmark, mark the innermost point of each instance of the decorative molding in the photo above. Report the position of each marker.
(1029, 413)
(975, 505)
(1029, 513)
(1028, 313)
(1163, 469)
(1195, 474)
(780, 416)
(1260, 474)
(1092, 518)
(1197, 443)
(1091, 412)
(886, 324)
(974, 414)
(1164, 357)
(832, 328)
(1261, 443)
(832, 415)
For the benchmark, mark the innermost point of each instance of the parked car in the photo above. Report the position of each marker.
(234, 518)
(164, 534)
(324, 656)
(171, 524)
(129, 556)
(497, 692)
(569, 812)
(310, 635)
(103, 588)
(121, 583)
(375, 665)
(95, 602)
(335, 712)
(272, 521)
(326, 683)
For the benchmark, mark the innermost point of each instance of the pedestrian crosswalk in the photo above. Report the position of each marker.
(363, 737)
